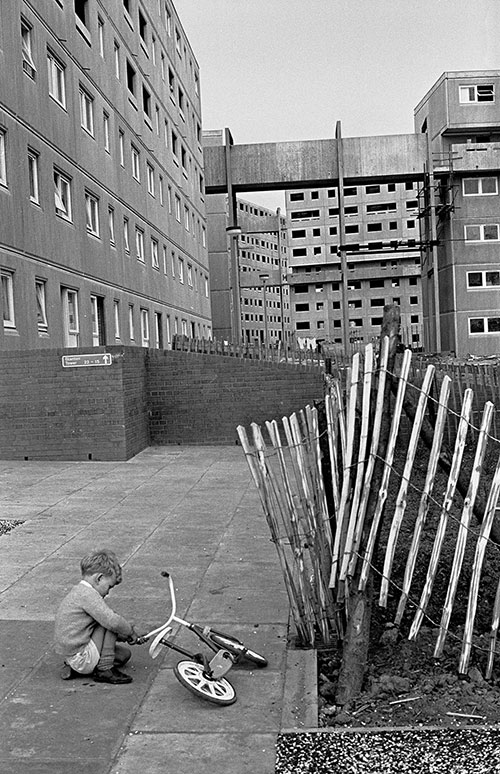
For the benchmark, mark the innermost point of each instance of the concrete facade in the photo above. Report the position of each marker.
(262, 272)
(102, 229)
(378, 218)
(461, 115)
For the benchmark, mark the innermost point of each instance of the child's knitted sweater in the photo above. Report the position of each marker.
(81, 610)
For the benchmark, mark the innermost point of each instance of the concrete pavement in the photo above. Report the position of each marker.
(195, 512)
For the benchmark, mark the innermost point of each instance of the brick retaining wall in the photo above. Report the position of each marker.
(145, 397)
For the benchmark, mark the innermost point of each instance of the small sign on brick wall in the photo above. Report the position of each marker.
(94, 359)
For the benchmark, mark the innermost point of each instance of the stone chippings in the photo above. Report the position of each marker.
(6, 525)
(417, 751)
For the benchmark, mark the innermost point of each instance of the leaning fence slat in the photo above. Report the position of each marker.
(382, 495)
(401, 498)
(313, 423)
(377, 422)
(294, 597)
(443, 520)
(331, 410)
(361, 463)
(426, 495)
(482, 542)
(463, 529)
(346, 483)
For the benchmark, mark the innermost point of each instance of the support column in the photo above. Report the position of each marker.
(233, 245)
(342, 244)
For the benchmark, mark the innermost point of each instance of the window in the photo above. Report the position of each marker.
(354, 229)
(374, 227)
(180, 101)
(27, 45)
(301, 307)
(186, 218)
(100, 33)
(350, 210)
(3, 163)
(412, 204)
(105, 129)
(177, 208)
(477, 93)
(410, 224)
(180, 265)
(92, 213)
(168, 20)
(41, 305)
(353, 191)
(139, 244)
(158, 330)
(7, 278)
(172, 262)
(372, 189)
(57, 88)
(131, 77)
(178, 42)
(116, 317)
(413, 300)
(146, 103)
(190, 275)
(171, 83)
(151, 179)
(142, 26)
(33, 176)
(377, 283)
(160, 189)
(162, 65)
(136, 165)
(381, 207)
(81, 11)
(98, 321)
(155, 261)
(377, 302)
(121, 147)
(303, 326)
(483, 279)
(70, 317)
(144, 328)
(126, 239)
(304, 215)
(117, 59)
(111, 225)
(482, 233)
(175, 144)
(298, 233)
(131, 327)
(62, 195)
(480, 186)
(296, 197)
(87, 111)
(484, 325)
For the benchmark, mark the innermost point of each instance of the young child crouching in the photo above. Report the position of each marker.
(88, 633)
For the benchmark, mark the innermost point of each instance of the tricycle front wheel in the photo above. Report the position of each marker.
(192, 676)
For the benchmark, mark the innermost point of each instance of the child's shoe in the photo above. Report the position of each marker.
(112, 676)
(67, 673)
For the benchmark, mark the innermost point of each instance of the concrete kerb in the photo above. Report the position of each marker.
(300, 691)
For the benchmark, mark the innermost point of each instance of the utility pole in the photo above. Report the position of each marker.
(342, 244)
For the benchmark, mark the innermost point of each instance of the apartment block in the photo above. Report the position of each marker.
(382, 234)
(461, 275)
(262, 265)
(102, 205)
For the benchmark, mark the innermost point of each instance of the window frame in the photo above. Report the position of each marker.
(86, 111)
(27, 48)
(41, 304)
(65, 212)
(481, 227)
(476, 86)
(92, 223)
(485, 320)
(33, 176)
(484, 285)
(480, 185)
(139, 244)
(7, 289)
(57, 79)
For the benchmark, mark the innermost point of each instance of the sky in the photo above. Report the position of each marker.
(279, 70)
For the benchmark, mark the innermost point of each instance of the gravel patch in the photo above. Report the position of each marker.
(6, 525)
(417, 751)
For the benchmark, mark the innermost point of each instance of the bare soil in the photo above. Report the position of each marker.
(404, 684)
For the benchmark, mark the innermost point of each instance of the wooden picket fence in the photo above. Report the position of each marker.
(314, 478)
